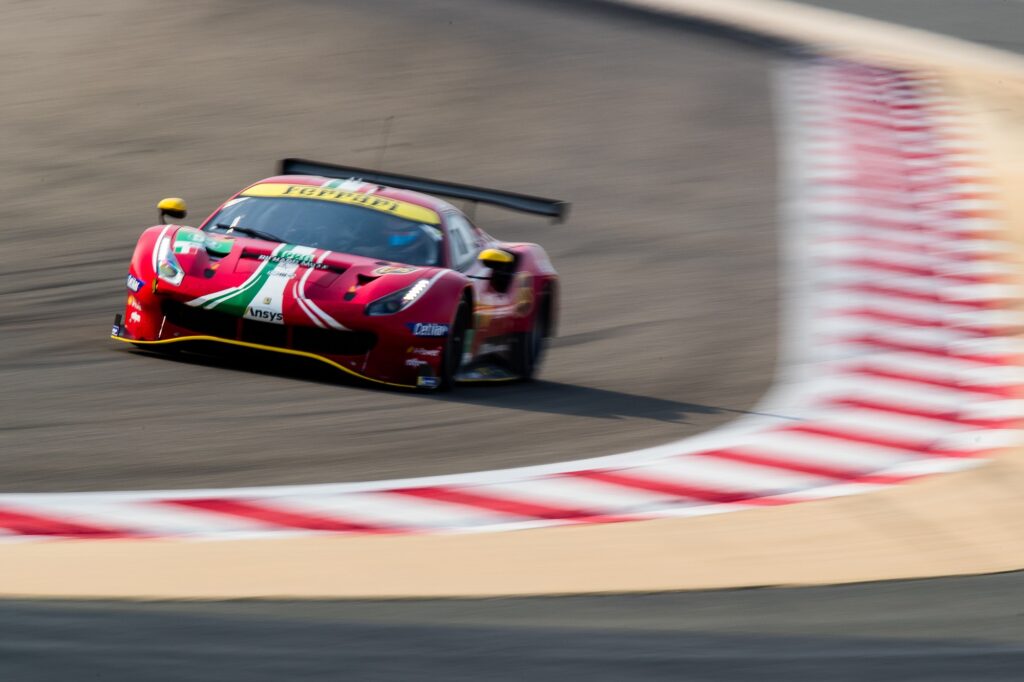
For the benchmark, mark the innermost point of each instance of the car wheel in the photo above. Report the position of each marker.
(528, 347)
(453, 347)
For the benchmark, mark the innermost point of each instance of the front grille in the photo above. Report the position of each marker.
(264, 333)
(331, 342)
(308, 339)
(201, 321)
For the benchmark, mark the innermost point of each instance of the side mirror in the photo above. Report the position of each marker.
(497, 260)
(172, 207)
(502, 265)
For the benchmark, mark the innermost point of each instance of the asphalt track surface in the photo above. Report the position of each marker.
(951, 629)
(664, 145)
(937, 630)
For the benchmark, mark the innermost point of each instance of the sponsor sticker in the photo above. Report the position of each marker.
(415, 362)
(221, 247)
(116, 330)
(426, 352)
(429, 329)
(134, 283)
(133, 304)
(402, 209)
(428, 382)
(348, 184)
(135, 317)
(394, 270)
(188, 241)
(266, 315)
(303, 259)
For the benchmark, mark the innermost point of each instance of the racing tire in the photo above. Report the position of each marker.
(528, 347)
(453, 347)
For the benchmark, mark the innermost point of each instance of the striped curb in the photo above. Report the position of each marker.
(900, 359)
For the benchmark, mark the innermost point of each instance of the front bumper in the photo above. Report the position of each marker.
(387, 358)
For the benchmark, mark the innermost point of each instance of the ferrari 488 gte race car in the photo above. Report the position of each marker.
(363, 270)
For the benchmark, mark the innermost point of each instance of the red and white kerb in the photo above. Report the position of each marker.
(900, 357)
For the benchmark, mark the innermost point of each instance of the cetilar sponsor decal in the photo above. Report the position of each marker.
(431, 329)
(134, 283)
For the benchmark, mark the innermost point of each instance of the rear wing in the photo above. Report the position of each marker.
(558, 210)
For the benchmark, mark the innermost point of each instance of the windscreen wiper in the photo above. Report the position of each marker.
(251, 232)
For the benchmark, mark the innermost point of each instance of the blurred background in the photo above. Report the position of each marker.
(664, 141)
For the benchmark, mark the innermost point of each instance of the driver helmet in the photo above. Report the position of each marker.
(409, 243)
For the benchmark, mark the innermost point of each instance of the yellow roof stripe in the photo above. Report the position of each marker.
(402, 209)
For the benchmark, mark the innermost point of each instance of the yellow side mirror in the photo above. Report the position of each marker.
(173, 207)
(497, 259)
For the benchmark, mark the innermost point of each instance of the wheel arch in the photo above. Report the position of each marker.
(549, 294)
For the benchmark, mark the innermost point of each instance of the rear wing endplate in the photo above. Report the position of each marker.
(558, 210)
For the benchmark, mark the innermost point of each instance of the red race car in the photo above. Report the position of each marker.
(362, 270)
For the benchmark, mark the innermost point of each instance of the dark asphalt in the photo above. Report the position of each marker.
(966, 629)
(664, 146)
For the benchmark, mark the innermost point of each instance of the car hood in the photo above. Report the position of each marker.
(283, 283)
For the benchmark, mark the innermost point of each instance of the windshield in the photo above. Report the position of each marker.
(331, 226)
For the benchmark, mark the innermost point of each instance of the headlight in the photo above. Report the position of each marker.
(398, 300)
(167, 267)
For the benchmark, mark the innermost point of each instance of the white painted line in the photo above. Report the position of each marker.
(813, 449)
(720, 474)
(585, 494)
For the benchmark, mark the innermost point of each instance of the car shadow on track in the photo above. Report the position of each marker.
(554, 397)
(546, 397)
